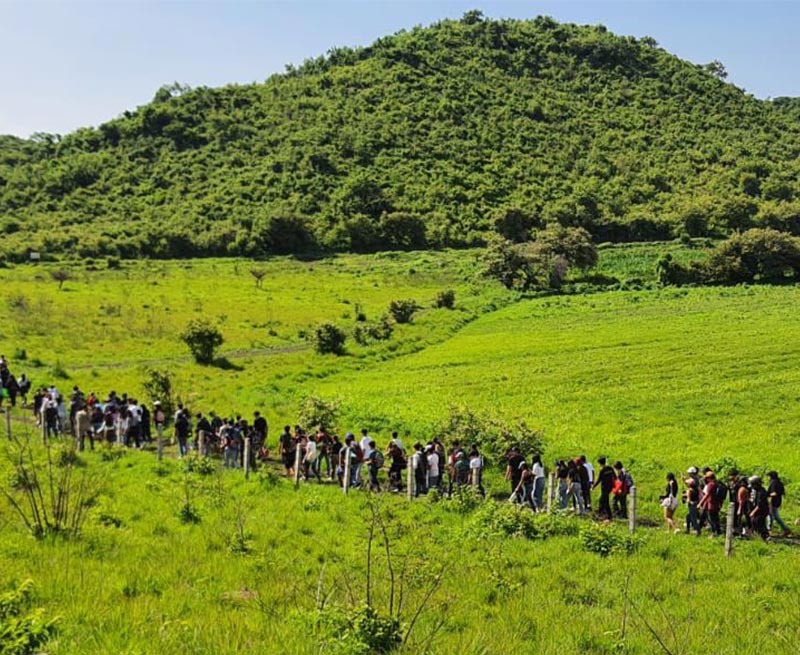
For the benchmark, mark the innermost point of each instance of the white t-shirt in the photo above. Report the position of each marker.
(311, 451)
(537, 470)
(476, 463)
(416, 459)
(590, 471)
(433, 465)
(365, 444)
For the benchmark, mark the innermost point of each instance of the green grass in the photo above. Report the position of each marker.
(659, 378)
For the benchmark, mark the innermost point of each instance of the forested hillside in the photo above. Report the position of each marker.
(429, 138)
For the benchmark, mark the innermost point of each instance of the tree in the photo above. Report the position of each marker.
(403, 311)
(762, 255)
(514, 224)
(318, 414)
(61, 275)
(717, 69)
(203, 339)
(329, 339)
(158, 387)
(573, 243)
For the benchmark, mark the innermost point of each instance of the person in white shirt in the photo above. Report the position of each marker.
(364, 443)
(537, 470)
(434, 477)
(310, 462)
(476, 470)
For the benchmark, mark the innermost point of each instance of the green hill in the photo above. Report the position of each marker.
(422, 139)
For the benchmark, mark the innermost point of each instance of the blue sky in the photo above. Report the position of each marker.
(65, 65)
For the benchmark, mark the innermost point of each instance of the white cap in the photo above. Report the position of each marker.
(692, 469)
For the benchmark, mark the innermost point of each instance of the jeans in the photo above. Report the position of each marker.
(562, 494)
(182, 448)
(538, 493)
(775, 516)
(231, 457)
(713, 519)
(692, 520)
(575, 493)
(621, 505)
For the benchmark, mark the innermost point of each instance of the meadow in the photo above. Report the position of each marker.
(661, 378)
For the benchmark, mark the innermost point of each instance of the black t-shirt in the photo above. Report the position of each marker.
(288, 442)
(260, 426)
(606, 477)
(514, 461)
(776, 487)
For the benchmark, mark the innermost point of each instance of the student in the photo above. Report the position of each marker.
(575, 486)
(476, 470)
(260, 429)
(562, 473)
(605, 480)
(287, 447)
(335, 449)
(776, 491)
(311, 460)
(743, 508)
(419, 463)
(160, 419)
(622, 490)
(231, 443)
(24, 389)
(537, 469)
(692, 499)
(83, 427)
(513, 471)
(587, 491)
(462, 470)
(523, 494)
(396, 467)
(759, 500)
(669, 501)
(711, 503)
(375, 462)
(434, 477)
(183, 430)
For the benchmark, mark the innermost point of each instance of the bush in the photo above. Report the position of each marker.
(403, 311)
(158, 387)
(446, 299)
(762, 255)
(604, 540)
(22, 631)
(329, 339)
(203, 339)
(318, 414)
(113, 263)
(195, 463)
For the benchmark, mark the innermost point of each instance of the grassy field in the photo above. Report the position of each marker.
(659, 378)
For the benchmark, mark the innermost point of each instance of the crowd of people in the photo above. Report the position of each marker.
(358, 462)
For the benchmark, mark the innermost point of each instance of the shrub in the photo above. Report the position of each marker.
(113, 263)
(61, 275)
(403, 311)
(22, 631)
(378, 331)
(446, 299)
(316, 413)
(604, 540)
(195, 463)
(158, 387)
(59, 372)
(329, 339)
(763, 255)
(203, 339)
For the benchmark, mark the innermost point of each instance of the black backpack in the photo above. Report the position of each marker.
(721, 492)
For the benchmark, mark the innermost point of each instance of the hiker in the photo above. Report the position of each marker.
(324, 452)
(311, 460)
(575, 486)
(375, 462)
(537, 469)
(202, 433)
(692, 500)
(335, 449)
(621, 490)
(523, 494)
(160, 419)
(144, 426)
(476, 470)
(434, 477)
(287, 447)
(513, 471)
(232, 439)
(396, 467)
(452, 456)
(419, 462)
(462, 470)
(669, 501)
(134, 414)
(260, 429)
(711, 502)
(83, 428)
(605, 480)
(13, 389)
(776, 491)
(759, 500)
(587, 490)
(743, 508)
(182, 430)
(96, 420)
(562, 473)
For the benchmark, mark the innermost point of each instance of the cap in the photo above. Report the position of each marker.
(692, 470)
(754, 479)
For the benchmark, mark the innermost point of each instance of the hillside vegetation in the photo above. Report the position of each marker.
(434, 137)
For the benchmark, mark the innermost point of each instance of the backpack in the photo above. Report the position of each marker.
(627, 482)
(720, 492)
(379, 460)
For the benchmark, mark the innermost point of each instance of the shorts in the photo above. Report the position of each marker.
(288, 460)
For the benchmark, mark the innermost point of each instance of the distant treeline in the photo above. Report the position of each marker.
(435, 137)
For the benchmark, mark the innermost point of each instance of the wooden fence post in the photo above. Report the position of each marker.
(44, 427)
(247, 458)
(729, 529)
(550, 490)
(346, 476)
(160, 432)
(632, 510)
(297, 466)
(8, 421)
(201, 442)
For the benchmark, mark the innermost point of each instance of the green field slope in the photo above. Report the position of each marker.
(420, 139)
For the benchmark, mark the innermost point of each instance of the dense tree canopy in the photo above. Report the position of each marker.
(439, 136)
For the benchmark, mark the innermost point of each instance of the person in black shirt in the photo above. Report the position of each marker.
(605, 480)
(513, 471)
(759, 500)
(776, 491)
(287, 449)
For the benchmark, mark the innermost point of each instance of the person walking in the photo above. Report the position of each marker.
(669, 501)
(476, 470)
(711, 503)
(575, 485)
(776, 491)
(759, 500)
(537, 469)
(622, 490)
(605, 480)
